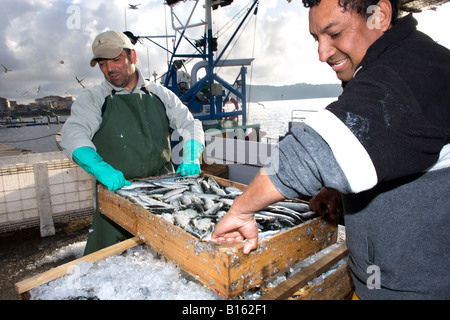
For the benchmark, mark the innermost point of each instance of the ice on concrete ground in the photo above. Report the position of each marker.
(75, 250)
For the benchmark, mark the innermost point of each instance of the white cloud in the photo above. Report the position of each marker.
(436, 23)
(35, 38)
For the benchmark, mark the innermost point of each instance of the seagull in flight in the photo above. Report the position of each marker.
(6, 69)
(133, 6)
(80, 82)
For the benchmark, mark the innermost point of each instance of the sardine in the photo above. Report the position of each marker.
(278, 216)
(213, 183)
(208, 203)
(183, 218)
(285, 211)
(233, 191)
(168, 217)
(203, 224)
(205, 186)
(308, 215)
(195, 187)
(159, 190)
(217, 190)
(137, 184)
(226, 201)
(203, 195)
(177, 191)
(186, 199)
(297, 206)
(152, 202)
(214, 209)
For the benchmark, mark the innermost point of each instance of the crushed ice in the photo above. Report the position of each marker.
(137, 274)
(74, 250)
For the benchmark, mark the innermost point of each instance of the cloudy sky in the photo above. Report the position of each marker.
(47, 43)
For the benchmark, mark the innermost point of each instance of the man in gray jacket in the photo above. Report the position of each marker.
(120, 129)
(384, 145)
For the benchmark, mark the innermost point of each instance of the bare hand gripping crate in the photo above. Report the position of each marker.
(222, 267)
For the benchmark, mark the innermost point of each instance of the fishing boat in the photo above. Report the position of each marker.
(221, 105)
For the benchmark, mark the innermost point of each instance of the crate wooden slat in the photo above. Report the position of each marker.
(336, 286)
(222, 267)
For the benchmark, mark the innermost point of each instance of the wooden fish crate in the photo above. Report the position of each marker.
(222, 267)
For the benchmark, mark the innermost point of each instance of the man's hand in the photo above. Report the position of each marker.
(108, 176)
(327, 202)
(188, 169)
(88, 159)
(239, 223)
(235, 228)
(190, 164)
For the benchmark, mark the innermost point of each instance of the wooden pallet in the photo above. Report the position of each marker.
(224, 267)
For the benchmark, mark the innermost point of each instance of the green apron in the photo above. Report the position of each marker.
(133, 138)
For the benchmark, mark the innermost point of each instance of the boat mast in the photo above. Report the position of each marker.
(205, 97)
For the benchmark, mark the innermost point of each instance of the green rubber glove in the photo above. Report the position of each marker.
(190, 164)
(88, 159)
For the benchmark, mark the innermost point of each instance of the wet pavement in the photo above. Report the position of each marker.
(20, 250)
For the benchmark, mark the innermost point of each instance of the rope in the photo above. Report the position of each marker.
(53, 134)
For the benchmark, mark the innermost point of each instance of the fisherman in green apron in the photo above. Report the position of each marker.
(120, 130)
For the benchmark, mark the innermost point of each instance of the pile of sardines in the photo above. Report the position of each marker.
(197, 203)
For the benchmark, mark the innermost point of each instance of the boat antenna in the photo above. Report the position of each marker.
(167, 35)
(253, 57)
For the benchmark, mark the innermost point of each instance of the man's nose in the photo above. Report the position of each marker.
(109, 66)
(325, 50)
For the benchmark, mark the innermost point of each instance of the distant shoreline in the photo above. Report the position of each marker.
(41, 113)
(258, 93)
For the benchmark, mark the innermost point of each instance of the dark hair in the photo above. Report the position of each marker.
(358, 6)
(127, 51)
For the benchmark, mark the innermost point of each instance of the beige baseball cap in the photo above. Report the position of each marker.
(108, 45)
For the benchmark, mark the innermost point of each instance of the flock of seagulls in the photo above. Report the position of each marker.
(25, 92)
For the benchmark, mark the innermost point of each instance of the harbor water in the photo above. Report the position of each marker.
(273, 117)
(36, 138)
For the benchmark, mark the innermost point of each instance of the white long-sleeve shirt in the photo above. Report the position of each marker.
(86, 114)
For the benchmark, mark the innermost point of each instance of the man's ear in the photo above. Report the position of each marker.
(133, 56)
(385, 14)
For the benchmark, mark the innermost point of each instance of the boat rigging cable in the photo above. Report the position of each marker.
(229, 24)
(53, 134)
(242, 12)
